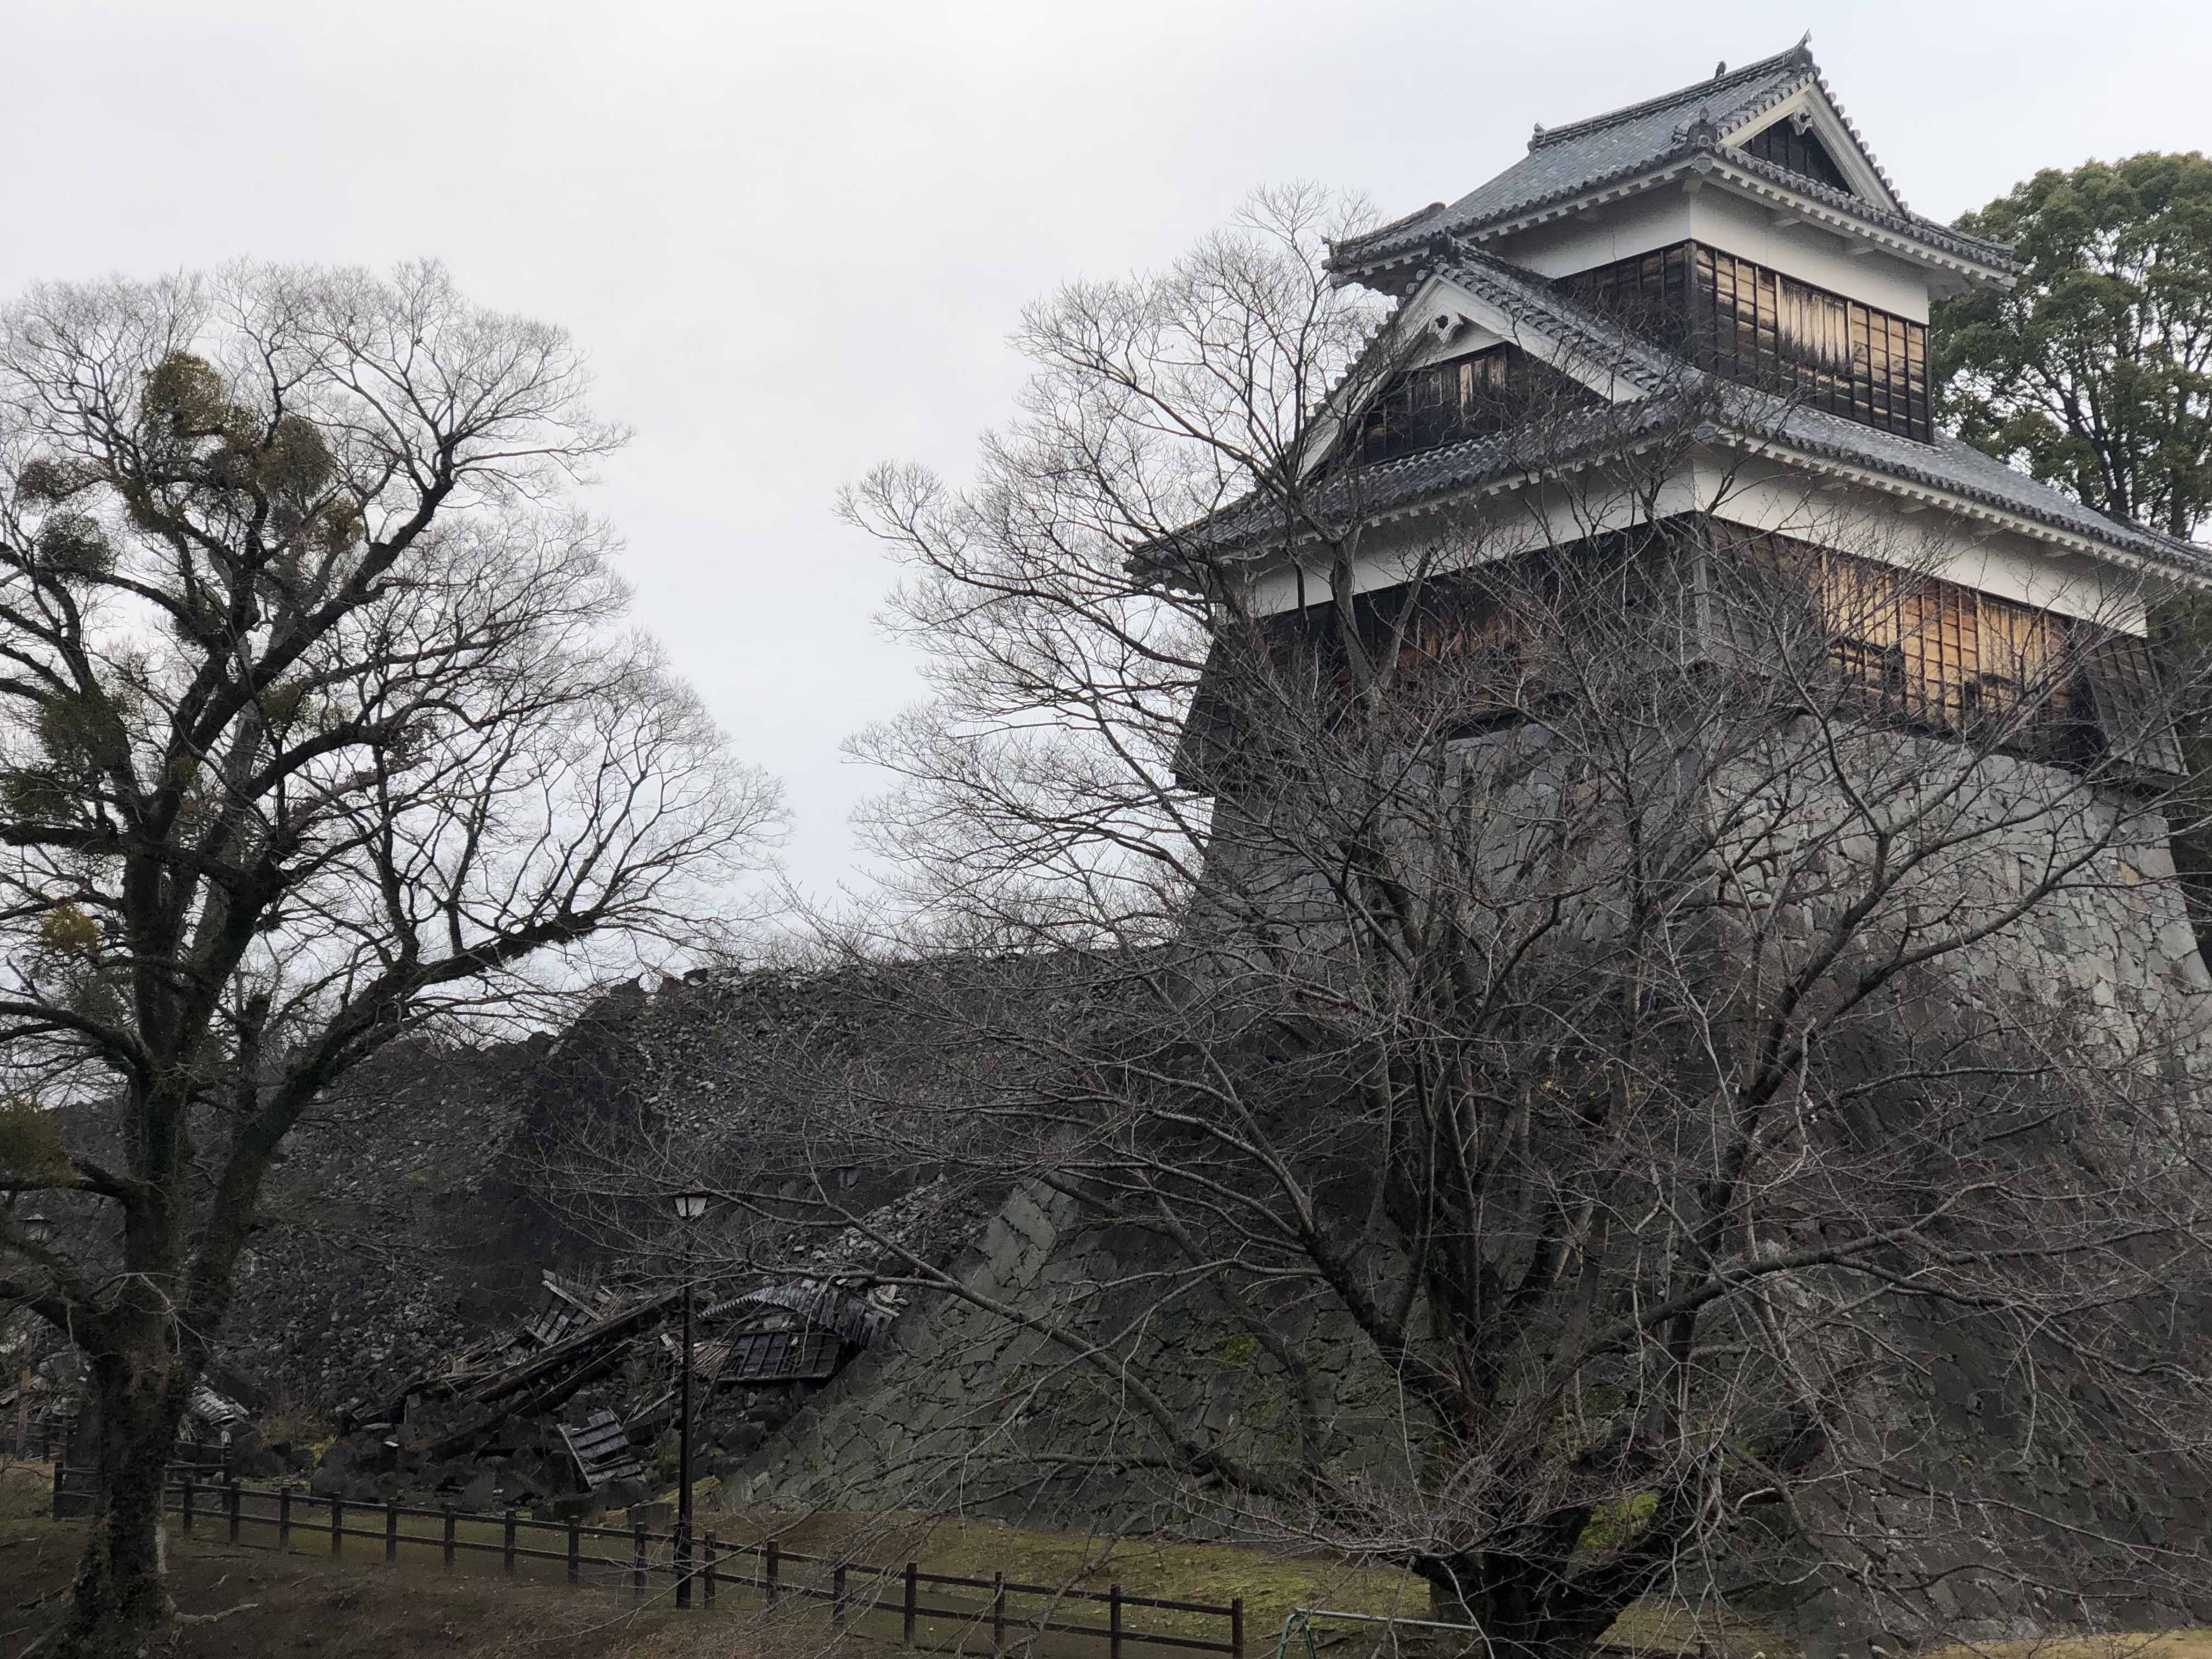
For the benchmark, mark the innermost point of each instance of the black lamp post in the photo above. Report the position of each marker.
(688, 1207)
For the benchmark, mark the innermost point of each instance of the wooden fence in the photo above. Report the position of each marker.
(48, 1443)
(853, 1589)
(41, 1443)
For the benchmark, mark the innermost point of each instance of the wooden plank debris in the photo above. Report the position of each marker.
(602, 1450)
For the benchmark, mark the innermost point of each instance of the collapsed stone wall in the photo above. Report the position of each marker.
(965, 1410)
(959, 1410)
(418, 1209)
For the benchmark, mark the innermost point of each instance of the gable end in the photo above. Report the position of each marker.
(1791, 143)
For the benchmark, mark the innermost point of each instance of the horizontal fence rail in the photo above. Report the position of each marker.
(643, 1557)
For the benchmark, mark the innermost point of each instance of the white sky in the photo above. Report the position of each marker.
(793, 236)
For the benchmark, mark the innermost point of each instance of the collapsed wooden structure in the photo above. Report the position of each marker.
(791, 1333)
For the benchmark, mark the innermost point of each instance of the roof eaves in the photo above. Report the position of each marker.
(1751, 109)
(2107, 539)
(1995, 257)
(1704, 91)
(1375, 254)
(1487, 465)
(1530, 299)
(1417, 484)
(1954, 248)
(1697, 136)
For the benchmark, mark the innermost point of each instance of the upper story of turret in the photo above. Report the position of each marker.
(1727, 263)
(1741, 223)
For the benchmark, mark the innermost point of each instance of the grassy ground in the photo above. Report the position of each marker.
(304, 1601)
(252, 1598)
(237, 1602)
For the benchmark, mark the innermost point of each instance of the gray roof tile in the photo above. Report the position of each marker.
(1960, 469)
(1535, 303)
(1564, 162)
(1947, 464)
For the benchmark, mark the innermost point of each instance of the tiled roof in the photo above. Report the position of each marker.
(1960, 469)
(1532, 302)
(1730, 412)
(1562, 163)
(1946, 465)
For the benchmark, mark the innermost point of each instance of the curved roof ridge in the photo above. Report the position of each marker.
(1850, 127)
(1734, 81)
(1904, 220)
(1521, 294)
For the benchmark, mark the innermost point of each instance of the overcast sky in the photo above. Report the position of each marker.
(794, 236)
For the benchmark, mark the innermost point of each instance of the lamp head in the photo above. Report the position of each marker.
(689, 1206)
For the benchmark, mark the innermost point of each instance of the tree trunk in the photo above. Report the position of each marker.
(1500, 1599)
(138, 1392)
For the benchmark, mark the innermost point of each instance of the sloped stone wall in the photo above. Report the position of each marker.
(959, 1409)
(962, 1410)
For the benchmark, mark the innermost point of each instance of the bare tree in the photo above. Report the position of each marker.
(323, 728)
(1617, 978)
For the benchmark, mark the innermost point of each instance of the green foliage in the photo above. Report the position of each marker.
(2095, 373)
(214, 443)
(42, 481)
(1616, 1524)
(30, 1149)
(296, 462)
(74, 544)
(186, 398)
(36, 795)
(67, 930)
(80, 731)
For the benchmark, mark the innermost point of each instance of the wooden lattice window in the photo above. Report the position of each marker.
(1942, 655)
(1487, 391)
(1799, 149)
(1753, 324)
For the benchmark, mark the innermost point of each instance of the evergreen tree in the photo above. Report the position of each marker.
(2095, 372)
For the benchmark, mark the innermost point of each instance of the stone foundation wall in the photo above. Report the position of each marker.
(960, 1410)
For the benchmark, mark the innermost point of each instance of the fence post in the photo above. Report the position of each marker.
(912, 1577)
(575, 1549)
(391, 1529)
(230, 1508)
(1236, 1628)
(284, 1516)
(56, 1510)
(998, 1613)
(337, 1523)
(769, 1585)
(1113, 1621)
(837, 1597)
(507, 1555)
(637, 1558)
(448, 1511)
(710, 1566)
(188, 1502)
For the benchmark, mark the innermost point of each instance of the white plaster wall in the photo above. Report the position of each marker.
(1619, 230)
(1820, 257)
(1463, 536)
(1669, 214)
(1876, 526)
(1762, 496)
